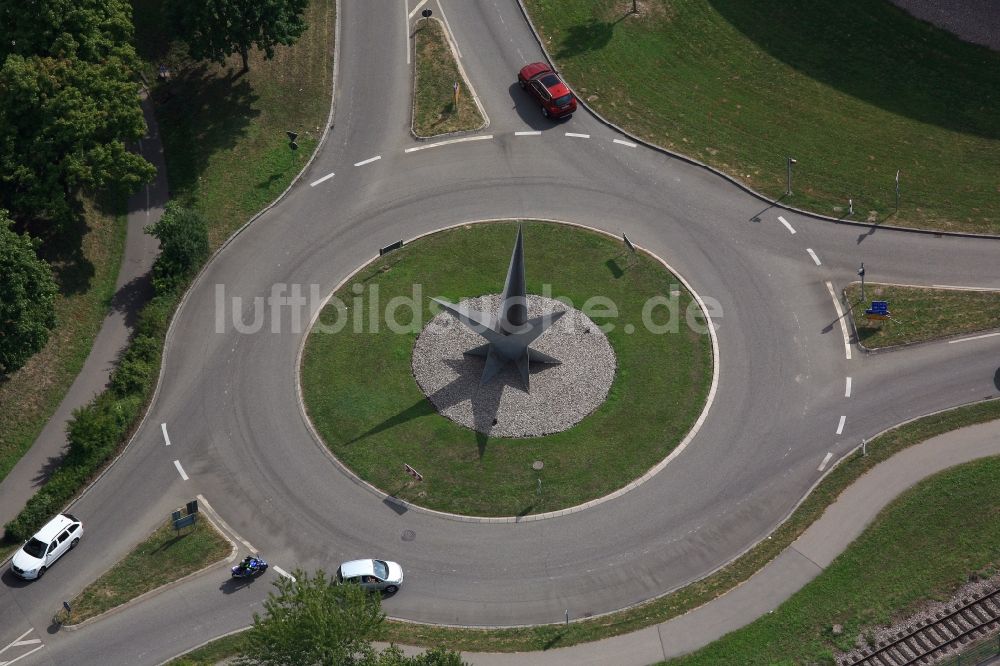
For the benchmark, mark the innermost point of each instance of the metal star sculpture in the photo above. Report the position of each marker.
(508, 333)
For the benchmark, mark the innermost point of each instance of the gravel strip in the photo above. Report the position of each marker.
(976, 21)
(561, 395)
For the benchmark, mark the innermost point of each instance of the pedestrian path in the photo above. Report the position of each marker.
(803, 560)
(132, 290)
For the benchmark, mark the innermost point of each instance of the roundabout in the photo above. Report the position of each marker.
(228, 391)
(633, 373)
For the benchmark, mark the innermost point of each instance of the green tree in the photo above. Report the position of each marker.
(27, 298)
(183, 237)
(214, 29)
(314, 621)
(68, 104)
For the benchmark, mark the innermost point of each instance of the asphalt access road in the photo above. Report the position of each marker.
(229, 400)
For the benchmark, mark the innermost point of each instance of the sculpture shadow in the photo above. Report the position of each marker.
(879, 55)
(582, 38)
(996, 379)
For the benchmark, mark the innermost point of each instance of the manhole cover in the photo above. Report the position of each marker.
(538, 464)
(409, 535)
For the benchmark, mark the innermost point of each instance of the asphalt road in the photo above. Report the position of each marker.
(229, 400)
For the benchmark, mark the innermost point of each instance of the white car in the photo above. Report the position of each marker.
(373, 575)
(40, 552)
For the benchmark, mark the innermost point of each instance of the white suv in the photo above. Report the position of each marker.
(42, 550)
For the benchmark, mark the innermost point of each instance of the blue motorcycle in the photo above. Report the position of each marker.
(250, 567)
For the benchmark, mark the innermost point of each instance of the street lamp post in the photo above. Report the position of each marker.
(788, 183)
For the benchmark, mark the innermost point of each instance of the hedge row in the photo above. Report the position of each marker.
(97, 431)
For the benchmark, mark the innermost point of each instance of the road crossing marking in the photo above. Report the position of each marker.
(840, 318)
(368, 161)
(417, 8)
(284, 573)
(20, 641)
(813, 255)
(847, 391)
(485, 137)
(321, 180)
(787, 226)
(840, 426)
(166, 437)
(578, 136)
(826, 459)
(625, 143)
(177, 464)
(531, 133)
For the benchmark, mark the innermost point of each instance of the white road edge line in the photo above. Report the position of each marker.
(485, 137)
(284, 573)
(8, 663)
(578, 136)
(840, 426)
(531, 133)
(840, 318)
(321, 180)
(625, 143)
(826, 459)
(415, 10)
(813, 255)
(787, 225)
(975, 337)
(447, 25)
(225, 525)
(847, 391)
(177, 464)
(17, 640)
(368, 161)
(166, 437)
(30, 641)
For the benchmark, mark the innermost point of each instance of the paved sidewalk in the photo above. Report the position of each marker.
(798, 564)
(133, 289)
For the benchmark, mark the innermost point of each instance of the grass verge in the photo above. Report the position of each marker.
(166, 556)
(86, 280)
(854, 90)
(224, 133)
(920, 314)
(210, 654)
(435, 76)
(374, 421)
(902, 559)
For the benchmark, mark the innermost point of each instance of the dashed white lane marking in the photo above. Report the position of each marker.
(531, 133)
(840, 318)
(321, 180)
(840, 426)
(847, 391)
(974, 337)
(454, 42)
(284, 573)
(166, 437)
(415, 10)
(578, 136)
(180, 470)
(485, 137)
(208, 507)
(368, 161)
(826, 459)
(813, 255)
(788, 226)
(625, 143)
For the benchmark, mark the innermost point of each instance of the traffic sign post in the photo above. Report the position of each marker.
(789, 161)
(878, 310)
(412, 472)
(861, 274)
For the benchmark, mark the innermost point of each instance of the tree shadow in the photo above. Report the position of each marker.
(131, 297)
(61, 245)
(880, 55)
(996, 379)
(591, 36)
(205, 110)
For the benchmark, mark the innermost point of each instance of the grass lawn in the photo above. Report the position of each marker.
(853, 89)
(376, 420)
(899, 561)
(224, 133)
(86, 275)
(433, 90)
(920, 314)
(166, 556)
(218, 651)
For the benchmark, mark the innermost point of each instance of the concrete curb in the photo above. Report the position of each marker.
(635, 483)
(465, 78)
(776, 203)
(162, 588)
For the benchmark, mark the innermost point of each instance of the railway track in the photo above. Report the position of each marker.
(925, 643)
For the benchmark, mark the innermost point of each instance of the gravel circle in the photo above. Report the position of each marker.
(561, 395)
